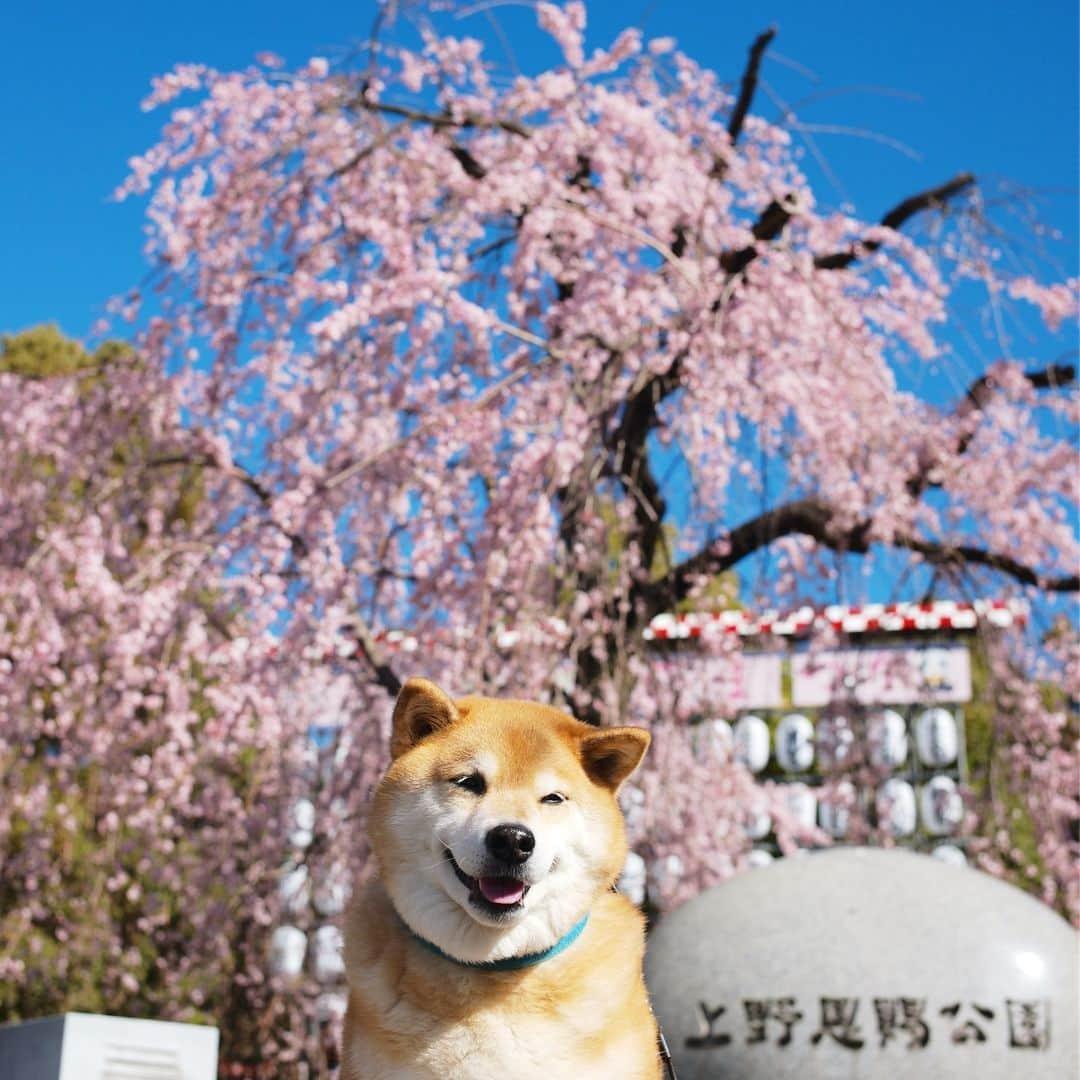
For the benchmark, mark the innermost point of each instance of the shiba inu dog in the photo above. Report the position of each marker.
(491, 944)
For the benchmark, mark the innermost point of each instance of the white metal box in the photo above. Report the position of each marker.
(82, 1046)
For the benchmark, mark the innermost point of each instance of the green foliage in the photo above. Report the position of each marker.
(720, 594)
(43, 352)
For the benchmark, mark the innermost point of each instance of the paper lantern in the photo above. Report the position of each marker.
(936, 737)
(331, 892)
(715, 738)
(329, 960)
(330, 1008)
(835, 741)
(751, 737)
(834, 813)
(950, 854)
(887, 737)
(940, 806)
(288, 944)
(294, 889)
(303, 815)
(895, 806)
(633, 879)
(757, 823)
(795, 743)
(802, 802)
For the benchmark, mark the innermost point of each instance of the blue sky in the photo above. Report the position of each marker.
(996, 89)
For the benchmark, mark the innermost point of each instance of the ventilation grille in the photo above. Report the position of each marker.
(124, 1061)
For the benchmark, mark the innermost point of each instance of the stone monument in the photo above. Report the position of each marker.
(866, 963)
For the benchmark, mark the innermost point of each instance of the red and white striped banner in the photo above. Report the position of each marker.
(855, 619)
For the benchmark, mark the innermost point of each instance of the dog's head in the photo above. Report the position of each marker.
(496, 825)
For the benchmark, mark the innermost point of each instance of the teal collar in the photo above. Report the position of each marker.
(511, 963)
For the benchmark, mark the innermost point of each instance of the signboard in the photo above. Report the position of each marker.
(881, 676)
(733, 681)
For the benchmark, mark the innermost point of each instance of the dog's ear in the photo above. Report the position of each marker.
(610, 755)
(421, 708)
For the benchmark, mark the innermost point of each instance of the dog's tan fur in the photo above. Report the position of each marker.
(413, 1014)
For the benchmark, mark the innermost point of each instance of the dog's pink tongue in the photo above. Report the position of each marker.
(501, 890)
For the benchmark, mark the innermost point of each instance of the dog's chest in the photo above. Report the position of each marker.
(525, 1048)
(503, 1046)
(517, 1034)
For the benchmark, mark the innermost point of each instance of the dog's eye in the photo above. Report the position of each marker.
(553, 799)
(473, 782)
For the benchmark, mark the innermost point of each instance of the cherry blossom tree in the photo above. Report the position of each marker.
(146, 740)
(443, 349)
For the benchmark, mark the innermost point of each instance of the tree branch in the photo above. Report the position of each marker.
(776, 215)
(385, 675)
(235, 472)
(629, 458)
(473, 169)
(201, 461)
(933, 197)
(743, 101)
(767, 227)
(968, 555)
(1052, 378)
(974, 402)
(440, 122)
(444, 120)
(812, 517)
(749, 83)
(363, 153)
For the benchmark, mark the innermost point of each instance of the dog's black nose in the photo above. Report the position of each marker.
(510, 843)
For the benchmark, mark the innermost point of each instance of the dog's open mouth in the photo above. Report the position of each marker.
(494, 895)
